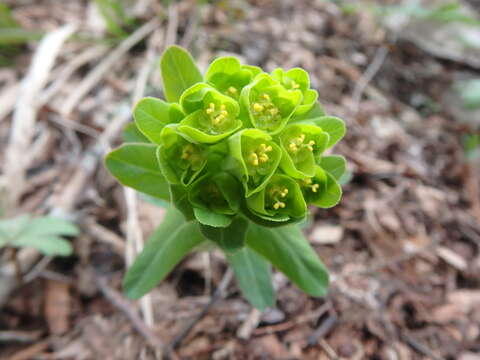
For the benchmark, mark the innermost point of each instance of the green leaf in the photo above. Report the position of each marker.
(335, 127)
(41, 233)
(334, 164)
(50, 226)
(46, 244)
(254, 277)
(135, 165)
(210, 218)
(131, 134)
(169, 244)
(288, 250)
(179, 72)
(152, 114)
(230, 238)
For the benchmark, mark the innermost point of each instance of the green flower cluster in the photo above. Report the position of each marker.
(239, 153)
(243, 141)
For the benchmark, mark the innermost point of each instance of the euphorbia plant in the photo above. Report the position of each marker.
(239, 155)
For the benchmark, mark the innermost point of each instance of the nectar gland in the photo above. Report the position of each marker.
(232, 91)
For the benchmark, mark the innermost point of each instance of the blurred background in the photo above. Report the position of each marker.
(402, 246)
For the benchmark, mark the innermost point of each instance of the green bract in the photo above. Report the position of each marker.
(228, 76)
(269, 104)
(297, 79)
(239, 153)
(256, 158)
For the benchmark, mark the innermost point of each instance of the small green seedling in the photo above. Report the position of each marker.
(240, 154)
(44, 234)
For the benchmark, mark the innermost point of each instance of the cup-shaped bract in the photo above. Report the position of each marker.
(322, 189)
(302, 146)
(268, 104)
(218, 193)
(256, 157)
(297, 79)
(180, 160)
(211, 116)
(280, 200)
(228, 76)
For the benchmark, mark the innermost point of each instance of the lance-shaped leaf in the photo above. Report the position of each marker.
(302, 145)
(254, 277)
(334, 164)
(255, 158)
(179, 72)
(169, 244)
(215, 199)
(297, 79)
(152, 114)
(211, 116)
(268, 104)
(280, 200)
(322, 189)
(333, 126)
(288, 250)
(228, 76)
(231, 238)
(135, 165)
(180, 160)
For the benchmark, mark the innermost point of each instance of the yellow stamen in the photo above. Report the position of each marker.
(266, 97)
(254, 159)
(293, 147)
(223, 107)
(315, 187)
(284, 193)
(257, 107)
(209, 111)
(295, 85)
(211, 106)
(232, 90)
(279, 204)
(263, 158)
(302, 138)
(268, 148)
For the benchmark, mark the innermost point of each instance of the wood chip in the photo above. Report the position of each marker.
(326, 234)
(57, 306)
(452, 258)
